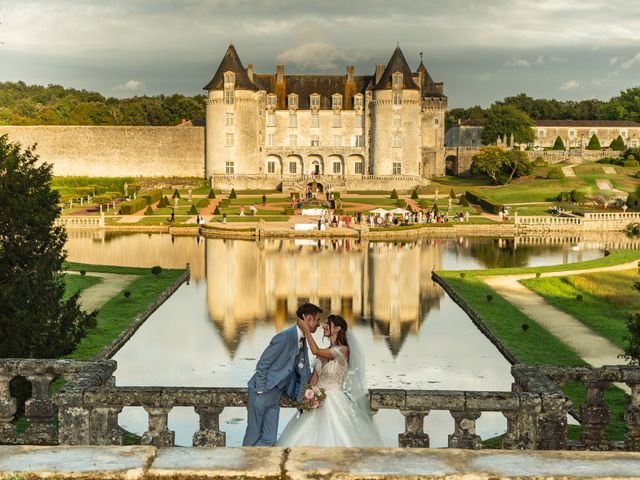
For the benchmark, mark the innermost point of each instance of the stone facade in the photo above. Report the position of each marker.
(116, 151)
(347, 131)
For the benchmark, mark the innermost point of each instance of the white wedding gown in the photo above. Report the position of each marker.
(339, 422)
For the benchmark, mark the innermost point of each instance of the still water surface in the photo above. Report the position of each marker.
(211, 332)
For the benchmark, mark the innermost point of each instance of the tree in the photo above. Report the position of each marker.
(558, 144)
(501, 165)
(617, 144)
(505, 120)
(594, 143)
(35, 321)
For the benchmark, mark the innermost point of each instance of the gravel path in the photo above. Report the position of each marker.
(99, 294)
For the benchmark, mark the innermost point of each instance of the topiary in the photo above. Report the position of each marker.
(538, 274)
(394, 194)
(202, 203)
(579, 297)
(578, 197)
(539, 162)
(452, 194)
(525, 327)
(212, 194)
(463, 201)
(193, 210)
(631, 163)
(216, 211)
(558, 144)
(633, 200)
(126, 294)
(156, 270)
(176, 193)
(162, 203)
(617, 144)
(414, 195)
(402, 203)
(637, 175)
(564, 197)
(233, 193)
(489, 298)
(83, 272)
(462, 274)
(555, 173)
(594, 143)
(630, 157)
(149, 210)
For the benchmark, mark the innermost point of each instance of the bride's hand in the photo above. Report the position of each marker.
(303, 326)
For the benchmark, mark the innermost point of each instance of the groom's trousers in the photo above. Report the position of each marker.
(263, 412)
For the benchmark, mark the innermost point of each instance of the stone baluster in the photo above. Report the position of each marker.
(552, 422)
(414, 436)
(39, 410)
(7, 409)
(158, 434)
(522, 426)
(632, 419)
(104, 426)
(209, 434)
(464, 434)
(594, 416)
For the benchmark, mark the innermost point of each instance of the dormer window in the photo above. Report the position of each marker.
(315, 101)
(229, 79)
(336, 100)
(271, 101)
(357, 101)
(293, 100)
(396, 80)
(397, 97)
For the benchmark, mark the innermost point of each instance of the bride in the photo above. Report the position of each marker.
(344, 419)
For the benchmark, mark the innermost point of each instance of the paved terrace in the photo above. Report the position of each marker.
(310, 463)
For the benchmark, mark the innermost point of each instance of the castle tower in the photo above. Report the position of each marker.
(395, 120)
(233, 127)
(434, 106)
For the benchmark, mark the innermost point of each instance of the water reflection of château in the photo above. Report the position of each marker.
(387, 286)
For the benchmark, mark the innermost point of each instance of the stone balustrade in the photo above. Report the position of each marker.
(625, 217)
(536, 410)
(77, 221)
(550, 222)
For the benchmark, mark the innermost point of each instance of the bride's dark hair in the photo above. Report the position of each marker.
(338, 321)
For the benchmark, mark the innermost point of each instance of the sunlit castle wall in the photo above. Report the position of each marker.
(115, 151)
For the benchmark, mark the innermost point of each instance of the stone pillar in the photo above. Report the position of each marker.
(158, 434)
(39, 410)
(104, 426)
(594, 416)
(522, 424)
(414, 436)
(464, 435)
(74, 424)
(552, 422)
(632, 419)
(209, 434)
(7, 409)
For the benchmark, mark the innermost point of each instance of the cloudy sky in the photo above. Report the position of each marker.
(481, 50)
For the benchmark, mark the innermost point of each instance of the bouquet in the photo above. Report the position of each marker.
(312, 398)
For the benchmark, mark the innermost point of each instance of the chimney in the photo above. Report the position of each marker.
(350, 69)
(250, 71)
(379, 72)
(279, 73)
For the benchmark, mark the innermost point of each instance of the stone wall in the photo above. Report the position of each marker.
(116, 151)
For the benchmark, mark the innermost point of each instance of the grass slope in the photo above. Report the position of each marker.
(77, 283)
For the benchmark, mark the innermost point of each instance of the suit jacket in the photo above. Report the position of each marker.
(277, 363)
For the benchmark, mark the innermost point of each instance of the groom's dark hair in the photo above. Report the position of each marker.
(307, 309)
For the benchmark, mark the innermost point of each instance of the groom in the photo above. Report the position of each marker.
(282, 368)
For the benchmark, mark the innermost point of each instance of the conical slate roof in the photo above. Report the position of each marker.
(231, 63)
(397, 63)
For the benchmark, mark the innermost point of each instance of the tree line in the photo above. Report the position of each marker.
(22, 104)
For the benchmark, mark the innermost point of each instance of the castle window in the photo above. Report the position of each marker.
(397, 121)
(271, 139)
(572, 133)
(271, 119)
(293, 167)
(541, 133)
(271, 101)
(337, 140)
(315, 120)
(271, 167)
(228, 140)
(293, 100)
(634, 143)
(228, 119)
(229, 79)
(396, 80)
(336, 101)
(315, 101)
(397, 168)
(293, 140)
(359, 121)
(337, 120)
(397, 141)
(397, 97)
(623, 133)
(359, 140)
(293, 120)
(337, 168)
(228, 97)
(358, 168)
(230, 168)
(436, 121)
(357, 101)
(315, 141)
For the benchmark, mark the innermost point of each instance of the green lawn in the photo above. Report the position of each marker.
(276, 217)
(371, 200)
(76, 283)
(157, 220)
(115, 315)
(247, 201)
(261, 211)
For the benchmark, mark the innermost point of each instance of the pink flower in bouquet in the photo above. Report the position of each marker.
(315, 403)
(315, 389)
(308, 394)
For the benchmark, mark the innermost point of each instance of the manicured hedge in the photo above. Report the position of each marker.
(486, 204)
(150, 197)
(202, 203)
(224, 203)
(402, 203)
(132, 206)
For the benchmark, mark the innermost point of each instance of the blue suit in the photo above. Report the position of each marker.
(283, 368)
